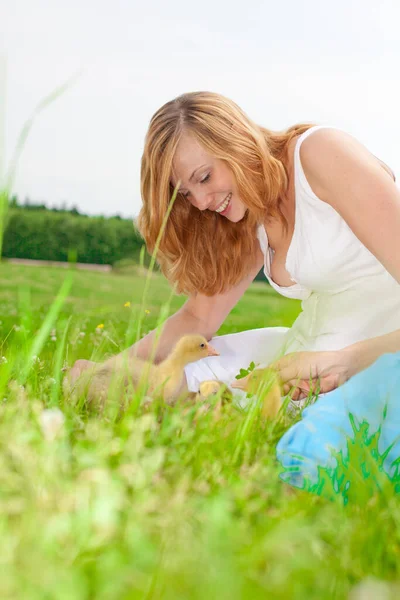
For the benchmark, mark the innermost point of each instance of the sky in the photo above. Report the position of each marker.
(334, 63)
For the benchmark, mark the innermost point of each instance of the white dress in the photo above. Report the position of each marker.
(347, 295)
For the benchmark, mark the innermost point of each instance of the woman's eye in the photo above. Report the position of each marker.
(206, 178)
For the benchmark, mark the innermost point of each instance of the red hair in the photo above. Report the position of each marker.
(200, 251)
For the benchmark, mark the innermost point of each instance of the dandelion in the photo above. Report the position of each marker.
(51, 422)
(147, 312)
(127, 304)
(101, 326)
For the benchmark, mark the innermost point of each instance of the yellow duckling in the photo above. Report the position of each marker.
(264, 383)
(118, 373)
(169, 374)
(212, 388)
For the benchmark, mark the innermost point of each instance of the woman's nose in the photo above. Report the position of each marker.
(201, 201)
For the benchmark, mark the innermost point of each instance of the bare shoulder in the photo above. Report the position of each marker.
(333, 159)
(325, 146)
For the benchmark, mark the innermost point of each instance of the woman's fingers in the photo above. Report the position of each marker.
(287, 367)
(301, 384)
(292, 370)
(72, 376)
(78, 368)
(330, 383)
(297, 365)
(298, 389)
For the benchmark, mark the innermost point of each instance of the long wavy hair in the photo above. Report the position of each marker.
(200, 251)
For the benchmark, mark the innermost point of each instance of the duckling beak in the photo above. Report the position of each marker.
(212, 351)
(240, 384)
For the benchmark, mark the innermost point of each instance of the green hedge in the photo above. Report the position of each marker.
(48, 235)
(39, 233)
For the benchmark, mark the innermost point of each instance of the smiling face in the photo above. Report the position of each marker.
(206, 182)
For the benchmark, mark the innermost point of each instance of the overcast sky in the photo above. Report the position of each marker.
(332, 62)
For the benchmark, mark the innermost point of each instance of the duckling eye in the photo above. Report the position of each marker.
(202, 345)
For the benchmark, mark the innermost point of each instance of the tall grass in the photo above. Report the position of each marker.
(164, 502)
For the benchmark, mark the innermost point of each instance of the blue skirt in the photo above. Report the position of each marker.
(370, 399)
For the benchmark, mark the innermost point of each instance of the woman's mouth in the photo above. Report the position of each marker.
(222, 208)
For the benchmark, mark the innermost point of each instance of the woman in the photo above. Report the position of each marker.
(311, 205)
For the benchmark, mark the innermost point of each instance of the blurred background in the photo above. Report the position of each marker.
(282, 62)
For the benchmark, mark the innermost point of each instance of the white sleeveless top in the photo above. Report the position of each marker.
(347, 295)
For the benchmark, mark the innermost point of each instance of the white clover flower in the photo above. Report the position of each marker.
(3, 360)
(53, 338)
(35, 359)
(52, 423)
(82, 334)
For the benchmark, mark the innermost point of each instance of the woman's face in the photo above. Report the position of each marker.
(206, 182)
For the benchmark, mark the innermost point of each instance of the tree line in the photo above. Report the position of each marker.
(37, 232)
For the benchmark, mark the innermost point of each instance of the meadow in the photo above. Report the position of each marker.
(172, 503)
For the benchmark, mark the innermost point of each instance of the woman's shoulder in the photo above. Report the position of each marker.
(318, 144)
(328, 153)
(316, 150)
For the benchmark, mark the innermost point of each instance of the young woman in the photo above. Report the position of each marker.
(310, 204)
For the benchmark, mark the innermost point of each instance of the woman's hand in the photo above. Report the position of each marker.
(71, 379)
(77, 369)
(95, 381)
(305, 371)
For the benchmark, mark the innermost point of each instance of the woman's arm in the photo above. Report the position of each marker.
(363, 354)
(200, 314)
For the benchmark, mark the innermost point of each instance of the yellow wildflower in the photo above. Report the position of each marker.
(127, 304)
(101, 326)
(147, 312)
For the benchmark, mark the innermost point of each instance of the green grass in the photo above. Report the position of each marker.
(172, 503)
